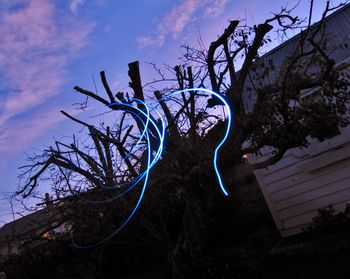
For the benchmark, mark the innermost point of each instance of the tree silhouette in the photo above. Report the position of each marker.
(176, 214)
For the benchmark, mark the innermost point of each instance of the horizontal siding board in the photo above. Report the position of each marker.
(324, 190)
(315, 204)
(326, 159)
(311, 178)
(274, 179)
(273, 173)
(270, 203)
(295, 155)
(310, 181)
(300, 221)
(281, 165)
(297, 165)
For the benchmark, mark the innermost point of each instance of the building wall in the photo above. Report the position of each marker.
(306, 180)
(338, 44)
(309, 179)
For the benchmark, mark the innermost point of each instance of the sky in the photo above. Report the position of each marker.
(49, 46)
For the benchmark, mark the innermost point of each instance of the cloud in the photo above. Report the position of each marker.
(216, 8)
(179, 17)
(36, 45)
(149, 41)
(17, 135)
(74, 5)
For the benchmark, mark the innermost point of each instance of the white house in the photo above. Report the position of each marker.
(306, 180)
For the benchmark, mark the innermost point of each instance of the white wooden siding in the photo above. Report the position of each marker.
(305, 181)
(308, 179)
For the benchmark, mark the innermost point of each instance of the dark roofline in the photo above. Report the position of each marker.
(21, 224)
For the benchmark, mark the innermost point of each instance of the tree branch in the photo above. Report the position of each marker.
(106, 86)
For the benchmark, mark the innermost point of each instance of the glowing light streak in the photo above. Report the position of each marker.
(160, 134)
(144, 174)
(228, 127)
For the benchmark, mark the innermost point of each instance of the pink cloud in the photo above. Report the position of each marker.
(149, 41)
(36, 46)
(74, 5)
(20, 134)
(216, 8)
(179, 17)
(17, 135)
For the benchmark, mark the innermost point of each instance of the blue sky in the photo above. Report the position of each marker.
(47, 47)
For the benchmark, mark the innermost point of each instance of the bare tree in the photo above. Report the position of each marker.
(90, 176)
(114, 155)
(278, 117)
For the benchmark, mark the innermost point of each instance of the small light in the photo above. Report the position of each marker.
(46, 235)
(245, 158)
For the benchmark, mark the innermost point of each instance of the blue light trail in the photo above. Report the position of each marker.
(160, 134)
